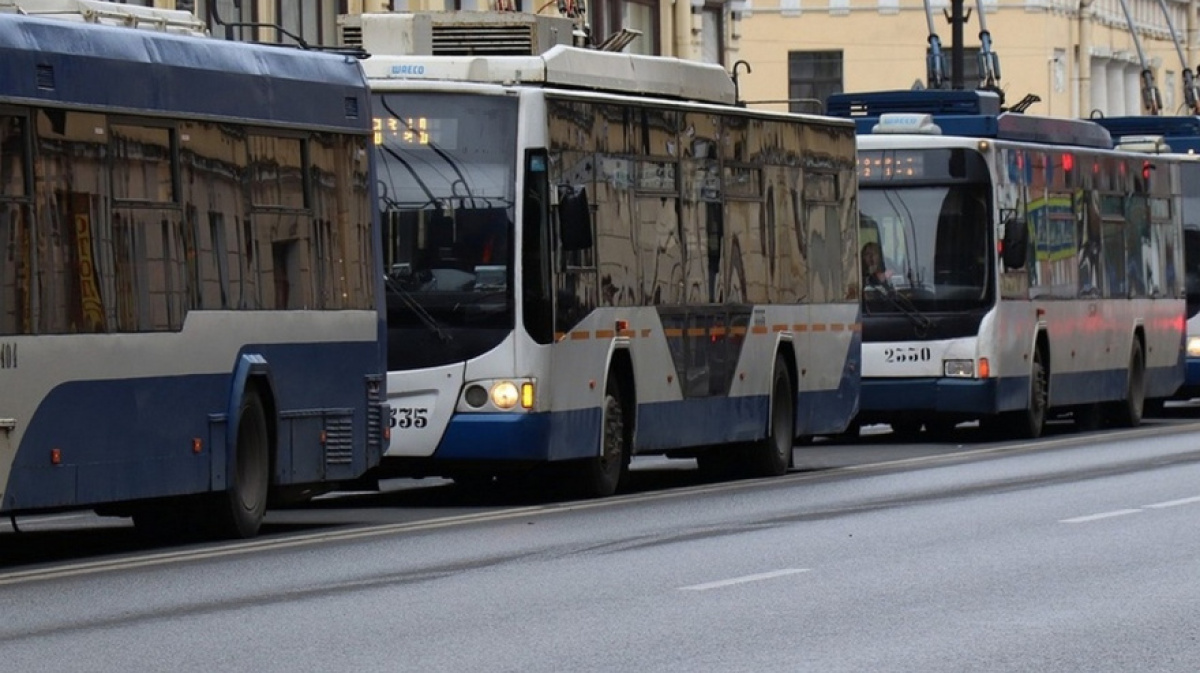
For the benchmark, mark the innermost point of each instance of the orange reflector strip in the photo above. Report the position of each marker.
(55, 456)
(323, 437)
(197, 445)
(985, 369)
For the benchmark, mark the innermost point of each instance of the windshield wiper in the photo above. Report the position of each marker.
(905, 306)
(424, 316)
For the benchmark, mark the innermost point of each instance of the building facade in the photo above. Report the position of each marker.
(1077, 57)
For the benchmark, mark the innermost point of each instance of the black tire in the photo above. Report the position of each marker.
(772, 455)
(1128, 412)
(605, 474)
(239, 511)
(1031, 423)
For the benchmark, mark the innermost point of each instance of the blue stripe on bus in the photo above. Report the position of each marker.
(497, 436)
(988, 396)
(661, 426)
(128, 439)
(1191, 380)
(696, 422)
(940, 394)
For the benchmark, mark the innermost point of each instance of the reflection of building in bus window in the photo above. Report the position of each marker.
(873, 268)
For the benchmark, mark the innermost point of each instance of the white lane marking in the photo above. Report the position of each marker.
(1101, 515)
(742, 580)
(1174, 503)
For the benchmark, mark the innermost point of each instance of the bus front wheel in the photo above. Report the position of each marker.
(1128, 412)
(239, 511)
(603, 475)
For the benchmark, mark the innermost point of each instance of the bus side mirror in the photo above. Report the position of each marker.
(575, 220)
(1015, 245)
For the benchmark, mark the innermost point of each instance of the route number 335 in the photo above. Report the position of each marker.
(410, 417)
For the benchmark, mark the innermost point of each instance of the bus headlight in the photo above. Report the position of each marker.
(476, 395)
(484, 395)
(1193, 346)
(505, 395)
(959, 369)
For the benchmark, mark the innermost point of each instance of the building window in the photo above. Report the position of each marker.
(971, 73)
(813, 76)
(219, 13)
(314, 21)
(712, 34)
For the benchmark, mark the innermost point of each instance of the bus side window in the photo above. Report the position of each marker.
(574, 219)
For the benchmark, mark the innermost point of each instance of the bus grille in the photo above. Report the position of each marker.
(375, 419)
(339, 440)
(485, 40)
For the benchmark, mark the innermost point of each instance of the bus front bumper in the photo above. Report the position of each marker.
(884, 399)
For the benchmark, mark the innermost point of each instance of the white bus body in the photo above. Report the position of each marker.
(664, 271)
(1083, 316)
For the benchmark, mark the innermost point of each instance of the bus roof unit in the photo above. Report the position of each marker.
(110, 14)
(1181, 134)
(395, 54)
(974, 114)
(39, 59)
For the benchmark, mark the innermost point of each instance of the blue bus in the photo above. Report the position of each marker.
(1179, 137)
(191, 322)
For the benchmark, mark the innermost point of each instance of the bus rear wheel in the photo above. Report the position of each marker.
(772, 455)
(239, 511)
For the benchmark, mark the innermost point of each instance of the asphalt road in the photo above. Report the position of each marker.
(1073, 553)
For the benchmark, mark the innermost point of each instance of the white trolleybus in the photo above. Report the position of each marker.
(190, 294)
(1179, 138)
(1018, 267)
(594, 255)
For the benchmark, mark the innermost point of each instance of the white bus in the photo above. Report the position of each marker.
(1031, 269)
(595, 255)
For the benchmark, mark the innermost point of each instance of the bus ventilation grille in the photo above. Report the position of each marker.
(375, 418)
(339, 440)
(352, 35)
(45, 77)
(485, 40)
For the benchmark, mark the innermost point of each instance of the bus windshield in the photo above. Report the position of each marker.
(925, 248)
(446, 187)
